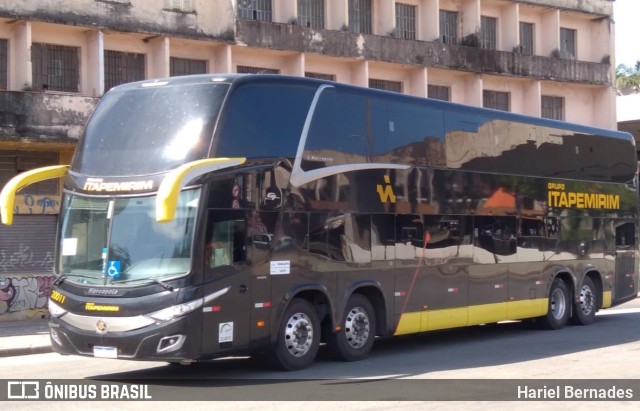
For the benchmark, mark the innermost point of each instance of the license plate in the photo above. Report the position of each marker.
(105, 352)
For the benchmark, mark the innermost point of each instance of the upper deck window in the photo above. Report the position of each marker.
(149, 129)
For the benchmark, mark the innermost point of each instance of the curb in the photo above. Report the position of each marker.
(12, 352)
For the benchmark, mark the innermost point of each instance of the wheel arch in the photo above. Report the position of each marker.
(316, 294)
(597, 278)
(372, 292)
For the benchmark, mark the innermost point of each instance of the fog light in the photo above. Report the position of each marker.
(171, 343)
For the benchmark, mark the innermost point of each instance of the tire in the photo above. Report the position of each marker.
(298, 336)
(558, 311)
(357, 333)
(587, 304)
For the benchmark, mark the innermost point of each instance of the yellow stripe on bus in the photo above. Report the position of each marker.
(8, 194)
(606, 299)
(474, 315)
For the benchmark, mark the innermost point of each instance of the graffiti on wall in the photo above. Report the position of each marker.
(23, 258)
(37, 204)
(24, 293)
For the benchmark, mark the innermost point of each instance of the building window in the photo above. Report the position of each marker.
(4, 64)
(320, 76)
(256, 70)
(489, 33)
(121, 67)
(496, 99)
(439, 92)
(311, 13)
(553, 107)
(527, 36)
(567, 43)
(386, 85)
(255, 10)
(55, 67)
(360, 16)
(406, 21)
(185, 6)
(449, 27)
(184, 67)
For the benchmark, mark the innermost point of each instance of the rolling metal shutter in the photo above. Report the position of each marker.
(27, 246)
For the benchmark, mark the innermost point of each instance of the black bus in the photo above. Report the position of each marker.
(216, 215)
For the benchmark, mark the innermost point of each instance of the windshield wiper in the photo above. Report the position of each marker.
(64, 276)
(149, 279)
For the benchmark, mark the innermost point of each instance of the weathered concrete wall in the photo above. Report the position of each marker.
(601, 7)
(212, 19)
(54, 118)
(419, 53)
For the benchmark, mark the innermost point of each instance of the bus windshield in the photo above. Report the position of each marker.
(165, 125)
(118, 242)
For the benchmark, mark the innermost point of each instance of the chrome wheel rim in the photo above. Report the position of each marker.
(587, 300)
(558, 304)
(357, 328)
(298, 335)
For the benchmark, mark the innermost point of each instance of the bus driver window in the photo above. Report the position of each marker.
(218, 248)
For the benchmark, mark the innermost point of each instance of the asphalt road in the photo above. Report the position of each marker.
(439, 362)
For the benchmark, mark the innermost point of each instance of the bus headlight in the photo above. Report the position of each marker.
(175, 311)
(55, 310)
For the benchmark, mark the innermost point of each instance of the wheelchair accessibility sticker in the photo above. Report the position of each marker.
(113, 271)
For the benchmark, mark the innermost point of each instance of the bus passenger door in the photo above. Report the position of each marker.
(227, 292)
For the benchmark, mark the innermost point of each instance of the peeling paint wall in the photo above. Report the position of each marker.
(41, 116)
(213, 19)
(601, 7)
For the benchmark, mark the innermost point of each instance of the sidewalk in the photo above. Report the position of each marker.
(24, 337)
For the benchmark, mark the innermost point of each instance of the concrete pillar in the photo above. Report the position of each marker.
(159, 57)
(294, 65)
(532, 98)
(473, 90)
(285, 11)
(384, 17)
(360, 73)
(429, 20)
(20, 67)
(510, 27)
(550, 33)
(470, 17)
(93, 83)
(337, 14)
(222, 59)
(418, 82)
(604, 108)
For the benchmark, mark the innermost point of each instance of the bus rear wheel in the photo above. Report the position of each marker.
(298, 336)
(358, 330)
(558, 310)
(587, 303)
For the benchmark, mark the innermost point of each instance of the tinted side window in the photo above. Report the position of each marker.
(338, 132)
(263, 120)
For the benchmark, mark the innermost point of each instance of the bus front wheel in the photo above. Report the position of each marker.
(358, 330)
(298, 336)
(587, 304)
(558, 310)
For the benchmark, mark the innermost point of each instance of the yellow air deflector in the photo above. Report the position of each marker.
(8, 194)
(172, 184)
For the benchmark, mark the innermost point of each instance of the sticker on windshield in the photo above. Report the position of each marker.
(69, 246)
(114, 269)
(225, 332)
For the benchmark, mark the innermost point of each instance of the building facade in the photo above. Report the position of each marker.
(547, 58)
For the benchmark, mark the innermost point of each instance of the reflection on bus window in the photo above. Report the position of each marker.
(226, 239)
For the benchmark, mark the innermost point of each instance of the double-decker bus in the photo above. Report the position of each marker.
(218, 215)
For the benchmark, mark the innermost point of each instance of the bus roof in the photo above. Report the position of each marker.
(238, 79)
